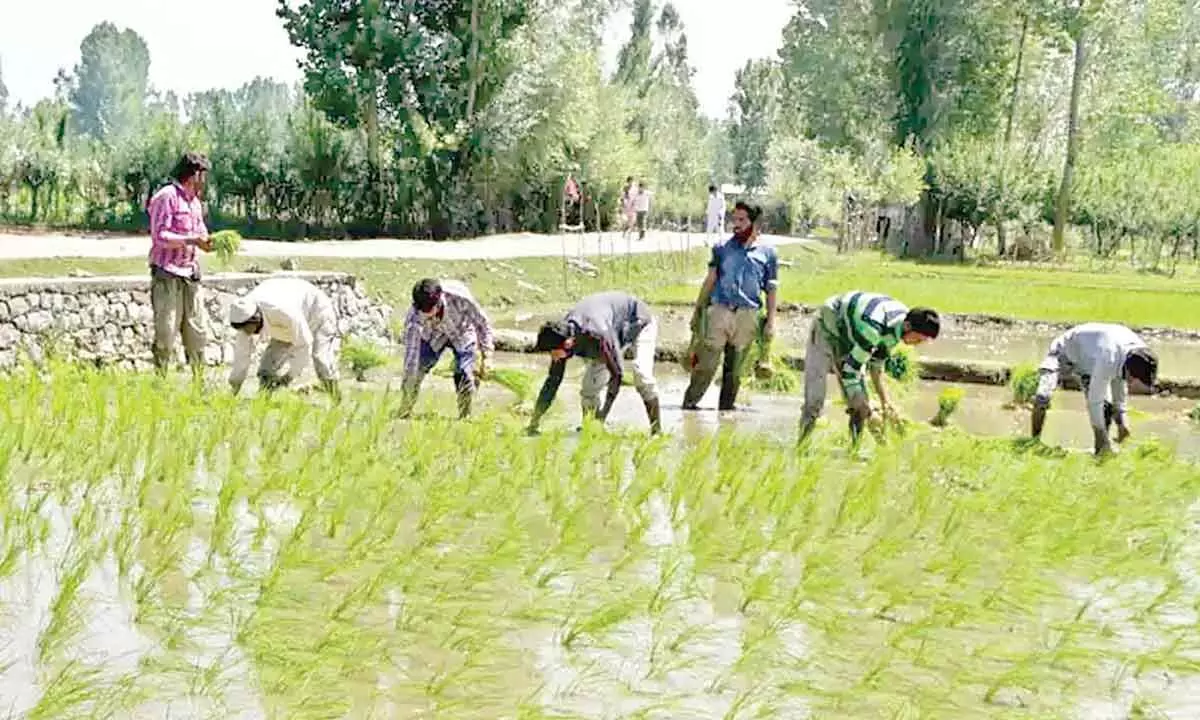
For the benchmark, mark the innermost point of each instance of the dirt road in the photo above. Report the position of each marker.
(495, 247)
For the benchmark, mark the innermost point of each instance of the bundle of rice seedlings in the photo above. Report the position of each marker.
(1024, 384)
(948, 401)
(770, 372)
(901, 364)
(361, 357)
(226, 243)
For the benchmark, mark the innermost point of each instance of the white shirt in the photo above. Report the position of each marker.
(292, 310)
(641, 201)
(1098, 351)
(716, 205)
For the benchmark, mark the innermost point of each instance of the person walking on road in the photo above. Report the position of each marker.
(714, 217)
(599, 328)
(1105, 357)
(443, 315)
(641, 203)
(300, 322)
(742, 280)
(629, 206)
(853, 332)
(177, 229)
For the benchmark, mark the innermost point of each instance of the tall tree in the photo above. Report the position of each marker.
(752, 112)
(423, 69)
(107, 89)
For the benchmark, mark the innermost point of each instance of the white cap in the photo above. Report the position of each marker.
(242, 310)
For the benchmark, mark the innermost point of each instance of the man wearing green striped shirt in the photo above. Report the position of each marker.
(851, 332)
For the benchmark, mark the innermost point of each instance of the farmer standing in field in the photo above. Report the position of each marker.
(743, 277)
(1104, 356)
(176, 229)
(300, 323)
(851, 332)
(599, 328)
(445, 314)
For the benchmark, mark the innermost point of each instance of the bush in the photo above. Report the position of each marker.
(362, 357)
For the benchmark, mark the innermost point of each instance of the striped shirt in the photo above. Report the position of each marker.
(462, 325)
(173, 211)
(862, 328)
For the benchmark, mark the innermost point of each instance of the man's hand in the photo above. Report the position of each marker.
(859, 404)
(204, 242)
(769, 328)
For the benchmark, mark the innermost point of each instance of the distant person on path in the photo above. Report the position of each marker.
(743, 278)
(851, 332)
(599, 328)
(443, 315)
(642, 206)
(176, 229)
(715, 214)
(629, 205)
(300, 323)
(1104, 356)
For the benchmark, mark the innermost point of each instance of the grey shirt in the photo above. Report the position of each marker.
(1096, 351)
(605, 324)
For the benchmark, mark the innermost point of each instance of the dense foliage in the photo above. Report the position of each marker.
(987, 121)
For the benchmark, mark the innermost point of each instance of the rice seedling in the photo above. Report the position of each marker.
(948, 402)
(1024, 383)
(362, 357)
(355, 564)
(226, 243)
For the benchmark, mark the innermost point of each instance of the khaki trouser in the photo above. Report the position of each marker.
(729, 331)
(596, 377)
(818, 363)
(277, 354)
(178, 307)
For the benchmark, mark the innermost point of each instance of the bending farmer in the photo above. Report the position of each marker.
(851, 331)
(599, 328)
(301, 323)
(1104, 357)
(444, 314)
(741, 271)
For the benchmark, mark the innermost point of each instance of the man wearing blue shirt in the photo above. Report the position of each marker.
(743, 276)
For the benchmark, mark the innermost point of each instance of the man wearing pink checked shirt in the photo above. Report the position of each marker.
(176, 229)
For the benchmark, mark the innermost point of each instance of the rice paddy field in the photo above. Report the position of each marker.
(169, 552)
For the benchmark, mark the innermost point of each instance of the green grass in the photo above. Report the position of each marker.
(1071, 293)
(365, 567)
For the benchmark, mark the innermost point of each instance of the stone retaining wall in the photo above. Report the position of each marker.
(108, 320)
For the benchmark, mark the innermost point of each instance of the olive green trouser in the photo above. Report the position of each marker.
(729, 332)
(178, 307)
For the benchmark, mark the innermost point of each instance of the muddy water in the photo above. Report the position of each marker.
(982, 411)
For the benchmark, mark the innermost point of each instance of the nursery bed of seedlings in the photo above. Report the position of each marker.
(170, 553)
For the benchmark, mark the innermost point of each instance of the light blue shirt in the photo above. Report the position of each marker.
(743, 274)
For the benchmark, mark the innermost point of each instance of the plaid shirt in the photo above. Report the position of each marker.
(170, 209)
(463, 324)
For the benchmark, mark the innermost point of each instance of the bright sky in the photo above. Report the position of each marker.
(224, 43)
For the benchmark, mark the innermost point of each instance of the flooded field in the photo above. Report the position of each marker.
(177, 555)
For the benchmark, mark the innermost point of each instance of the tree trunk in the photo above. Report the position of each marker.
(473, 60)
(1001, 227)
(1063, 206)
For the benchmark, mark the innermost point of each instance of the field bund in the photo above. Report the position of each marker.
(109, 321)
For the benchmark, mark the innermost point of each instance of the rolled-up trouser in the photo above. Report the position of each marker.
(730, 331)
(596, 376)
(178, 308)
(464, 373)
